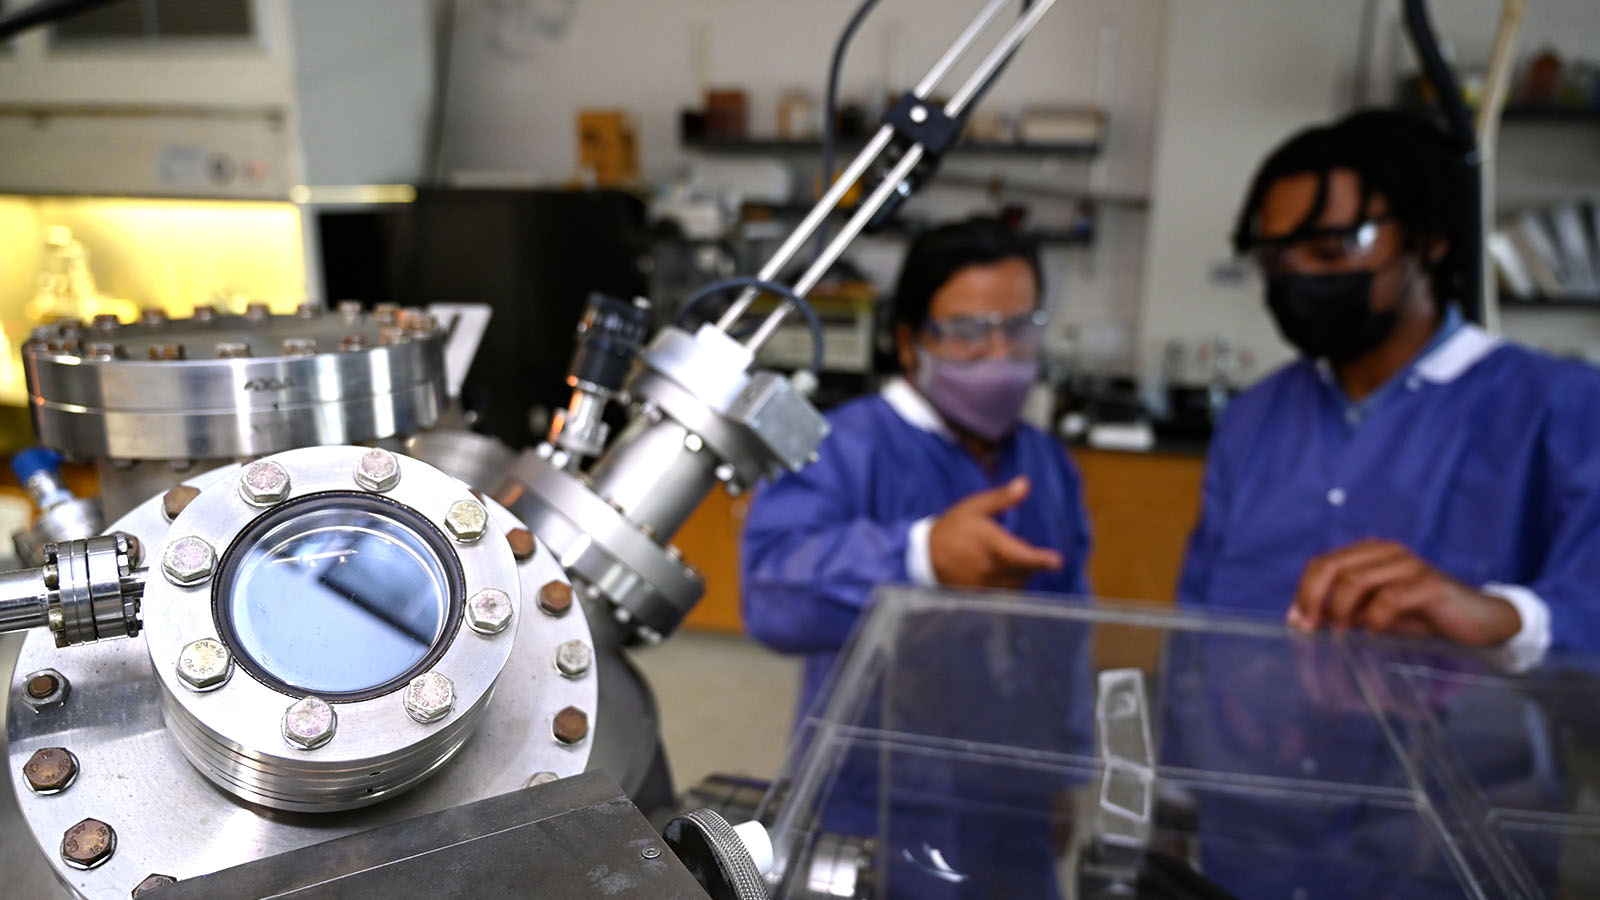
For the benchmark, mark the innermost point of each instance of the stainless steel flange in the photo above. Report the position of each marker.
(224, 386)
(305, 522)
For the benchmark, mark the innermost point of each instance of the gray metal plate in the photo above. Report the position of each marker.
(171, 820)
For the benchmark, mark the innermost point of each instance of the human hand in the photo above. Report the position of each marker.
(970, 549)
(1381, 586)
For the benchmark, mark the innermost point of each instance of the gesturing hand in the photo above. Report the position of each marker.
(969, 548)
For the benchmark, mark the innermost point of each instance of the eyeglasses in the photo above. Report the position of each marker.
(971, 336)
(1317, 247)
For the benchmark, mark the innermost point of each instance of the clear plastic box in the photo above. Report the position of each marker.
(977, 745)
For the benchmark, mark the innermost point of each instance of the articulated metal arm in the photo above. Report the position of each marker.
(85, 591)
(700, 413)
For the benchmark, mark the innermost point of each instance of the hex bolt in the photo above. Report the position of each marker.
(233, 350)
(573, 658)
(377, 470)
(430, 697)
(349, 310)
(555, 598)
(103, 350)
(257, 311)
(151, 883)
(203, 312)
(542, 778)
(310, 309)
(570, 726)
(298, 347)
(175, 501)
(466, 520)
(264, 483)
(309, 723)
(489, 611)
(155, 318)
(88, 844)
(50, 770)
(522, 543)
(693, 443)
(106, 322)
(353, 341)
(387, 313)
(188, 561)
(168, 352)
(205, 665)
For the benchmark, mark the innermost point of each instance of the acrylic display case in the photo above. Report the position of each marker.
(976, 745)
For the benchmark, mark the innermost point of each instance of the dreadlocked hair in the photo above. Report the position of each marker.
(1405, 157)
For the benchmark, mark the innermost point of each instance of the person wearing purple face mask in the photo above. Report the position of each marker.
(934, 480)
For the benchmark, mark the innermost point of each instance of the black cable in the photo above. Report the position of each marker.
(44, 13)
(830, 109)
(711, 290)
(1459, 120)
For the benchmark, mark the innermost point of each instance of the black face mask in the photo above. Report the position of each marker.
(1327, 316)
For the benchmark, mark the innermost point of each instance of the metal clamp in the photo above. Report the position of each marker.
(87, 590)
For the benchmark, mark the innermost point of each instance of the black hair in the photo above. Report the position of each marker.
(1405, 157)
(936, 255)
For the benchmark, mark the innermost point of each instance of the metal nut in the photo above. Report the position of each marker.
(570, 726)
(264, 483)
(151, 883)
(522, 543)
(233, 350)
(467, 520)
(298, 347)
(430, 697)
(45, 689)
(205, 665)
(309, 723)
(257, 311)
(88, 844)
(188, 561)
(50, 770)
(555, 598)
(489, 611)
(573, 658)
(377, 470)
(349, 310)
(175, 501)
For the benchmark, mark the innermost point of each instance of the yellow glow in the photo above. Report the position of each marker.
(144, 253)
(352, 194)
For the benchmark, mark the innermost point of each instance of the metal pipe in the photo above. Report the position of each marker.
(969, 91)
(891, 183)
(24, 600)
(858, 166)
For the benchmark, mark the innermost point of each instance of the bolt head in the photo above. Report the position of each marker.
(570, 726)
(188, 561)
(693, 443)
(50, 770)
(466, 520)
(175, 501)
(377, 470)
(205, 665)
(522, 543)
(542, 778)
(555, 598)
(309, 723)
(430, 697)
(489, 611)
(88, 844)
(264, 483)
(151, 883)
(573, 658)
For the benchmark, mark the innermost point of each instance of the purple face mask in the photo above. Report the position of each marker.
(984, 396)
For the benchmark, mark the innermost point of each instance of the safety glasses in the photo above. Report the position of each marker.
(971, 336)
(1318, 247)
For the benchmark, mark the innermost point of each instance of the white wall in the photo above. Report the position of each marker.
(1242, 75)
(522, 69)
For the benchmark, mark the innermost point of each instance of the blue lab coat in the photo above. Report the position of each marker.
(1482, 457)
(818, 541)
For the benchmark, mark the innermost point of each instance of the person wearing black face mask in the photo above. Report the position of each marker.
(1412, 473)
